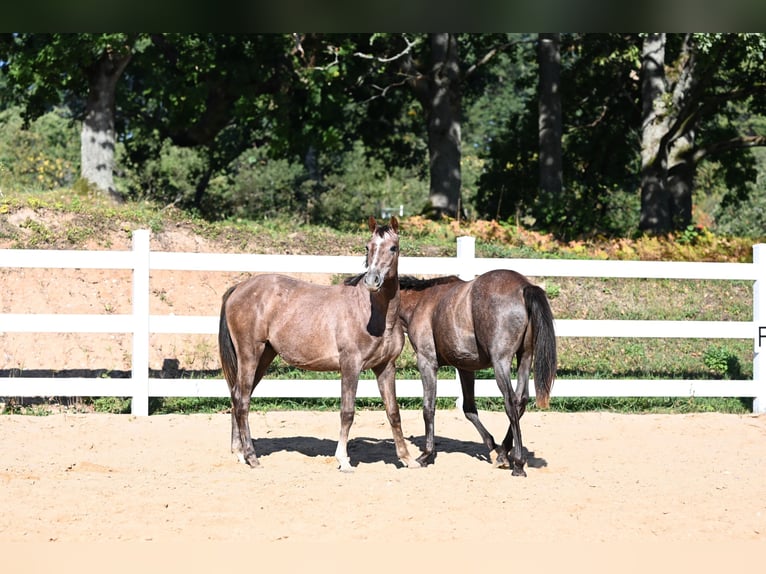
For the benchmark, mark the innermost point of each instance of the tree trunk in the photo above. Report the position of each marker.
(667, 139)
(682, 166)
(680, 185)
(549, 118)
(655, 204)
(439, 94)
(97, 140)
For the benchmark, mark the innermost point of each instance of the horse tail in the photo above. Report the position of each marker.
(545, 361)
(226, 345)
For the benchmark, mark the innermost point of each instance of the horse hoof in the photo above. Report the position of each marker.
(252, 461)
(425, 459)
(498, 460)
(413, 463)
(518, 472)
(344, 465)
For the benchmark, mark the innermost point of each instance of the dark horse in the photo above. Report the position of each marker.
(346, 328)
(474, 325)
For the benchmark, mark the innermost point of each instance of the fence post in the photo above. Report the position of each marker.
(140, 361)
(466, 252)
(759, 325)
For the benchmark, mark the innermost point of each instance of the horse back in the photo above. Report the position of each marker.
(463, 321)
(310, 326)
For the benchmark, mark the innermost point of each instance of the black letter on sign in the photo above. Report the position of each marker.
(761, 335)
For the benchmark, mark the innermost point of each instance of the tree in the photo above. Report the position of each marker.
(83, 69)
(436, 85)
(97, 139)
(441, 70)
(549, 117)
(641, 112)
(217, 94)
(688, 82)
(598, 110)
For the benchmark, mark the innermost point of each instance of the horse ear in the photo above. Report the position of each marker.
(372, 223)
(394, 223)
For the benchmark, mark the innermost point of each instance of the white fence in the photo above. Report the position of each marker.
(141, 260)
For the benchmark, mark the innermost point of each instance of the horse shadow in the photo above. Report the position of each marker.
(473, 449)
(361, 450)
(368, 450)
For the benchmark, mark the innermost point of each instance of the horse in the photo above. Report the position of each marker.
(474, 325)
(347, 327)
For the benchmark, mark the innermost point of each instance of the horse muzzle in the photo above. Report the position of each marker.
(373, 281)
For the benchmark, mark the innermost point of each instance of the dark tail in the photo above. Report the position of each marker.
(545, 361)
(226, 345)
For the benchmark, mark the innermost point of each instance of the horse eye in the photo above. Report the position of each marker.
(393, 249)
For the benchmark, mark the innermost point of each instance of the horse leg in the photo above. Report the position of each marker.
(250, 371)
(348, 385)
(512, 442)
(428, 376)
(387, 387)
(524, 366)
(467, 382)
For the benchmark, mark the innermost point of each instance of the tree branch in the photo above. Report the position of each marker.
(494, 52)
(409, 45)
(730, 144)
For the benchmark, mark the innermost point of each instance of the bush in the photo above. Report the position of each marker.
(262, 188)
(362, 186)
(42, 157)
(723, 362)
(170, 176)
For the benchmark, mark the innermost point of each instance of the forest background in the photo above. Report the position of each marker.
(576, 135)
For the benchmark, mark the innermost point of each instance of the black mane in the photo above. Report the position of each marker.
(353, 281)
(415, 284)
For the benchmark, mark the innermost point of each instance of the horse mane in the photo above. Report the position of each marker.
(381, 230)
(415, 284)
(353, 281)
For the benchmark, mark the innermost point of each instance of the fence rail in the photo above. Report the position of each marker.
(141, 260)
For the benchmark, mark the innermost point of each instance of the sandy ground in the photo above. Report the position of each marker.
(591, 476)
(694, 482)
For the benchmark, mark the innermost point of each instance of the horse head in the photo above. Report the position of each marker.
(382, 254)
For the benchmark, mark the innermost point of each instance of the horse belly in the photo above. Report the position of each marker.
(463, 360)
(461, 351)
(313, 353)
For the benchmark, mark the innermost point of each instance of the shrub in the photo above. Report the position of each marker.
(44, 156)
(722, 361)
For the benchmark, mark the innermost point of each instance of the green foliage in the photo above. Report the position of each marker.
(361, 186)
(43, 156)
(325, 127)
(723, 361)
(185, 405)
(263, 187)
(171, 176)
(650, 404)
(111, 405)
(552, 290)
(355, 184)
(600, 89)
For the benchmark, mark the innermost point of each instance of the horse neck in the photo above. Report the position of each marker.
(385, 303)
(408, 300)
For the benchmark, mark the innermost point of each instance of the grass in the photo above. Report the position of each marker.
(73, 218)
